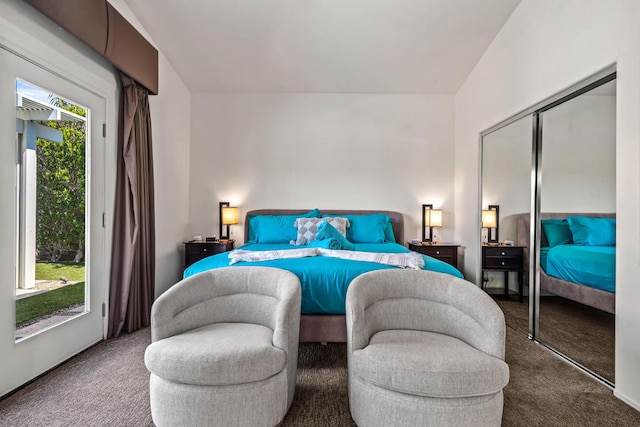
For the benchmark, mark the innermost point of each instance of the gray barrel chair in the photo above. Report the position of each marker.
(424, 348)
(224, 348)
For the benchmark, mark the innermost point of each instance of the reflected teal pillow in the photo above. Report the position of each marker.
(589, 231)
(368, 228)
(328, 231)
(275, 228)
(557, 232)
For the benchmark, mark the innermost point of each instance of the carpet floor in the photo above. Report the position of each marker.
(585, 334)
(107, 385)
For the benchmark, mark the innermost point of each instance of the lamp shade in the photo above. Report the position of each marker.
(433, 218)
(489, 219)
(229, 215)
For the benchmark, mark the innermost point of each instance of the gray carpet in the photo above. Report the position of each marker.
(585, 334)
(107, 385)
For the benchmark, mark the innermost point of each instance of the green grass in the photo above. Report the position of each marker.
(38, 305)
(47, 302)
(54, 270)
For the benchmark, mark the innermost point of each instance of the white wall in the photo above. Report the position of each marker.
(356, 151)
(579, 156)
(547, 46)
(170, 127)
(170, 120)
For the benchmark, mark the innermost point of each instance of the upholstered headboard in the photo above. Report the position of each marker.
(397, 220)
(524, 221)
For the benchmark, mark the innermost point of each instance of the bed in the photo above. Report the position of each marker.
(324, 279)
(585, 272)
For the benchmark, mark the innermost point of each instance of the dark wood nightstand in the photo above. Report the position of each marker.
(507, 259)
(446, 252)
(195, 251)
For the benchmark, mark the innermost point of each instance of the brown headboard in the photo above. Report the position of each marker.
(397, 220)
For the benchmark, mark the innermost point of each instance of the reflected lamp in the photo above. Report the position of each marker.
(430, 218)
(490, 219)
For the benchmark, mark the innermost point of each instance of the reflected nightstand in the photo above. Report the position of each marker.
(507, 259)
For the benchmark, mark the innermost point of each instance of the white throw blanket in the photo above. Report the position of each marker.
(404, 260)
(256, 256)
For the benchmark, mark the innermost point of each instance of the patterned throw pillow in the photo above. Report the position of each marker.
(308, 227)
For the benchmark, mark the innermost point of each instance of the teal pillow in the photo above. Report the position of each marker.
(275, 228)
(328, 231)
(589, 231)
(388, 233)
(557, 232)
(368, 228)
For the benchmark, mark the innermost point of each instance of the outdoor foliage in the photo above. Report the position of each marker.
(61, 189)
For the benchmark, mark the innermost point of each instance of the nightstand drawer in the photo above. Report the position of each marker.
(502, 258)
(443, 252)
(436, 252)
(205, 249)
(195, 251)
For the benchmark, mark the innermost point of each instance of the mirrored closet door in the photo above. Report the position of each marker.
(506, 185)
(577, 199)
(551, 172)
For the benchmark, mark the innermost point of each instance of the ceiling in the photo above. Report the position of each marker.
(323, 46)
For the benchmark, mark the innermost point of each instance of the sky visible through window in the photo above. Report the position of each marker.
(35, 92)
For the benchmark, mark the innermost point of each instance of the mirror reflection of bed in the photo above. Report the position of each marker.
(577, 286)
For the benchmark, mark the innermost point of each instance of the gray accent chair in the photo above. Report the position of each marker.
(424, 348)
(224, 348)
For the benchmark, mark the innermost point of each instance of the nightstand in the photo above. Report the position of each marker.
(446, 252)
(195, 251)
(507, 259)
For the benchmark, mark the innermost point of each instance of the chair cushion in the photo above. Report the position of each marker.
(217, 354)
(429, 364)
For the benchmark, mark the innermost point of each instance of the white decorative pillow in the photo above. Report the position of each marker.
(308, 227)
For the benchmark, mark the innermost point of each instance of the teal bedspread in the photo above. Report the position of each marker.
(324, 280)
(593, 266)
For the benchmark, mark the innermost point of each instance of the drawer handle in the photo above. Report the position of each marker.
(204, 250)
(502, 262)
(502, 253)
(437, 252)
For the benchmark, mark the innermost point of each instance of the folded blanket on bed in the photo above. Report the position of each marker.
(404, 260)
(256, 256)
(325, 243)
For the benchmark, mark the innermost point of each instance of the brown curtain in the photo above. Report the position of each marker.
(133, 258)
